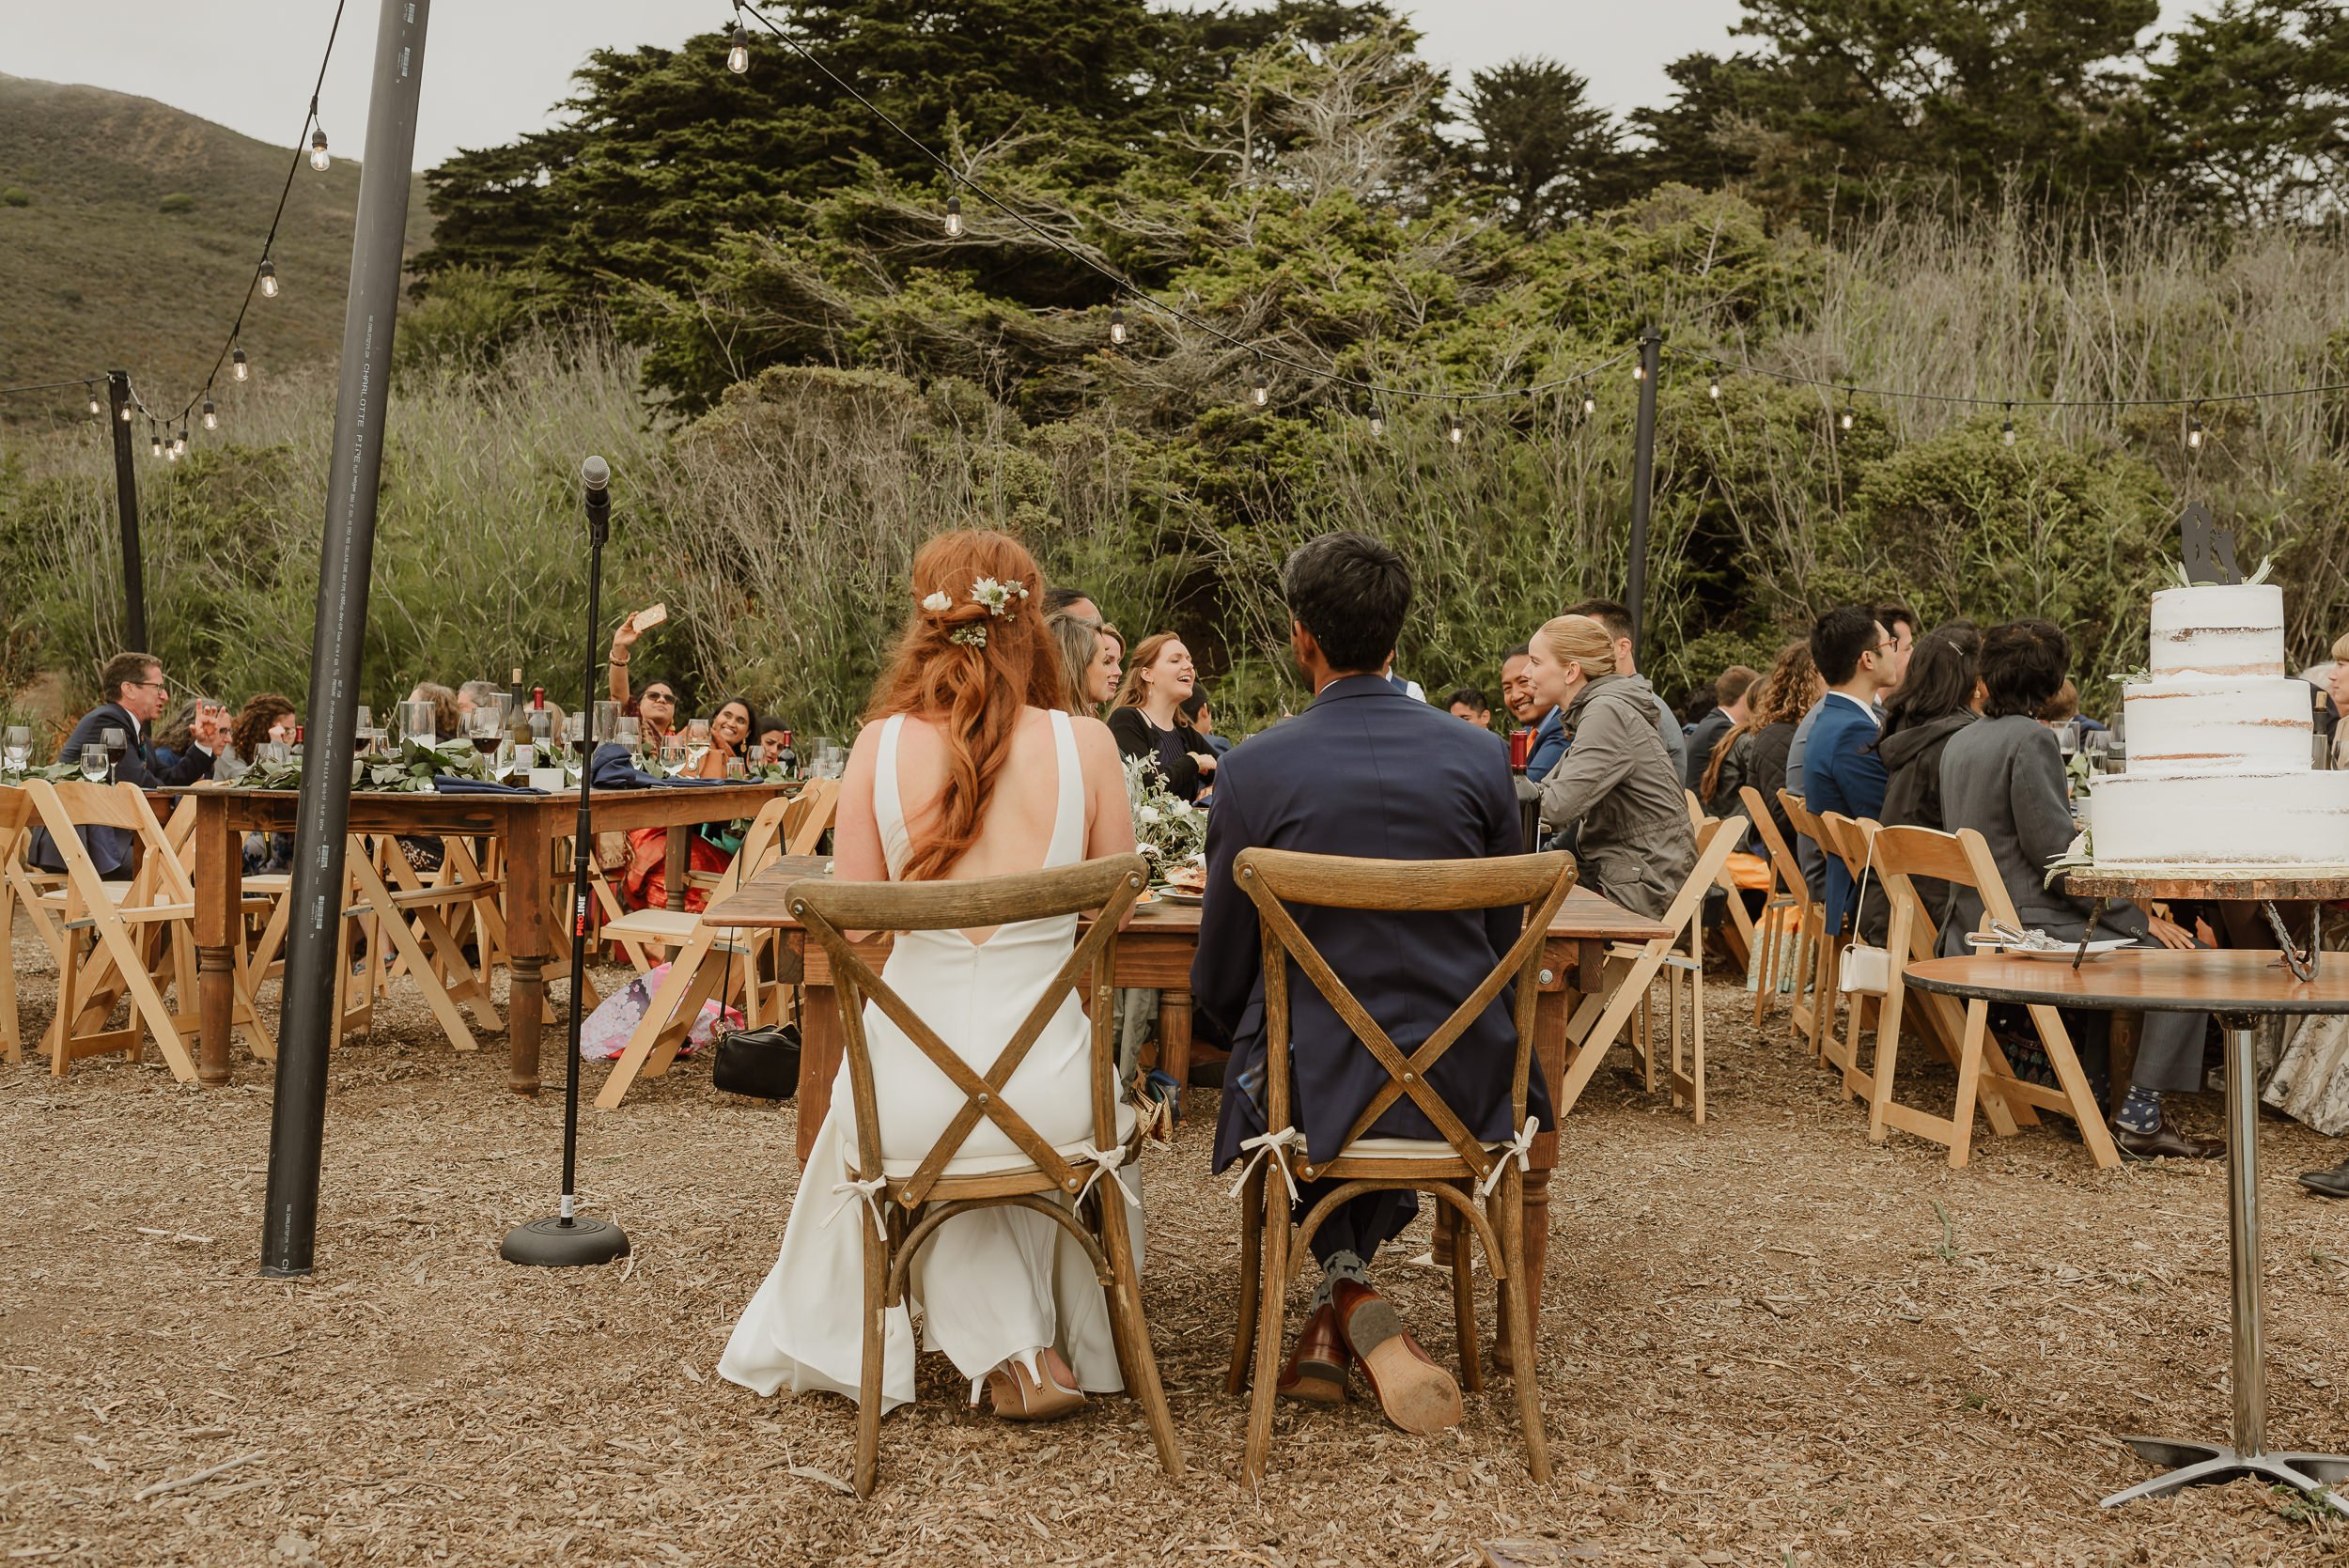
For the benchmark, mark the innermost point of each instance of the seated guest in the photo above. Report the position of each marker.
(1843, 773)
(1616, 618)
(1754, 753)
(1470, 703)
(135, 696)
(1526, 708)
(171, 733)
(1900, 623)
(1939, 694)
(1071, 602)
(473, 695)
(2337, 700)
(2064, 708)
(448, 720)
(266, 717)
(1147, 716)
(1088, 660)
(1616, 783)
(729, 739)
(1200, 717)
(767, 750)
(1363, 766)
(656, 710)
(1729, 711)
(2003, 776)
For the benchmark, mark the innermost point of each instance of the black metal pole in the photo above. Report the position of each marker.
(570, 1237)
(1643, 482)
(345, 559)
(126, 510)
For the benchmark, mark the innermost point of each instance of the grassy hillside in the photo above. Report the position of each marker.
(143, 224)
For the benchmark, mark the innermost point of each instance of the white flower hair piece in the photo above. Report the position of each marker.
(971, 636)
(996, 595)
(938, 603)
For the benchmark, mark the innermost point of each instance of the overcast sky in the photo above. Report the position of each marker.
(495, 66)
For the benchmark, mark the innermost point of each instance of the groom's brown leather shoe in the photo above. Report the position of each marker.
(2164, 1143)
(1315, 1372)
(1417, 1395)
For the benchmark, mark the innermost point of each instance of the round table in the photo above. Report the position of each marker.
(2241, 986)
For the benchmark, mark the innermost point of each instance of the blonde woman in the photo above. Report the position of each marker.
(1616, 783)
(1089, 654)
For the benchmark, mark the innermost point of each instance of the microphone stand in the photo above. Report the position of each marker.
(572, 1238)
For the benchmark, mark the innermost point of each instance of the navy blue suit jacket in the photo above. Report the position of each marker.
(1840, 774)
(110, 848)
(1365, 770)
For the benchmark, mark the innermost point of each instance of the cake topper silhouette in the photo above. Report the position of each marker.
(2207, 551)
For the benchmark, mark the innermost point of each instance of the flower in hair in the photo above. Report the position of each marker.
(938, 603)
(996, 595)
(971, 636)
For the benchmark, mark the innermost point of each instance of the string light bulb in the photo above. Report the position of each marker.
(1261, 395)
(126, 413)
(93, 400)
(954, 217)
(1117, 324)
(319, 157)
(212, 415)
(2194, 428)
(2006, 437)
(1714, 390)
(1377, 421)
(738, 50)
(179, 444)
(1453, 433)
(269, 278)
(1844, 420)
(1639, 372)
(238, 368)
(154, 443)
(1589, 405)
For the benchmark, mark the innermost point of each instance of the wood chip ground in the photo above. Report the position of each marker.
(1766, 1341)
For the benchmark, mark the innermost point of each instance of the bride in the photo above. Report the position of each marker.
(967, 766)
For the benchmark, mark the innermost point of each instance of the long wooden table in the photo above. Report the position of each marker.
(529, 826)
(1154, 953)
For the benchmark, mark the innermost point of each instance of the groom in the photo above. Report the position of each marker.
(1365, 770)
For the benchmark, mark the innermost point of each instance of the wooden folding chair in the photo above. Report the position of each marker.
(1444, 1168)
(128, 936)
(1849, 839)
(1632, 968)
(706, 949)
(1983, 1073)
(1789, 921)
(925, 1194)
(1737, 926)
(16, 817)
(411, 930)
(1826, 945)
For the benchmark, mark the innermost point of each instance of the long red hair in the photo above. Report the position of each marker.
(975, 693)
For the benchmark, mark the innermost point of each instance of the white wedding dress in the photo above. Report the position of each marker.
(994, 1284)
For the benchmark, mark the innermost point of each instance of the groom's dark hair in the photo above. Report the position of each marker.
(1351, 593)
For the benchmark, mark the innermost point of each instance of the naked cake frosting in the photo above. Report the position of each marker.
(2220, 746)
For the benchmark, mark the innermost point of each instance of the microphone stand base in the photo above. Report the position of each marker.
(552, 1244)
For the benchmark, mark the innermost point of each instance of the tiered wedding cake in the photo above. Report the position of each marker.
(2220, 746)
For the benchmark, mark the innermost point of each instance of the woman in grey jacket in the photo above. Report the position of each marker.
(1617, 780)
(2003, 776)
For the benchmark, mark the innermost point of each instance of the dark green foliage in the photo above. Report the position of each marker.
(1540, 139)
(2253, 107)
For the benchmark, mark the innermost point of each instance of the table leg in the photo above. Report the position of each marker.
(1175, 1044)
(529, 854)
(819, 1059)
(677, 846)
(218, 895)
(2193, 1463)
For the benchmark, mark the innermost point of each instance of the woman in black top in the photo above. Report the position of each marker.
(1148, 718)
(1939, 694)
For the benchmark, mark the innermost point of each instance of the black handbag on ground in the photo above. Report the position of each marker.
(762, 1062)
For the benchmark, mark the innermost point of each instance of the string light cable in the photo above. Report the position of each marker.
(1851, 393)
(737, 61)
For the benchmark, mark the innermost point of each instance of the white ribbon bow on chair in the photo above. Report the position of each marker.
(867, 1189)
(1519, 1148)
(1104, 1162)
(1272, 1146)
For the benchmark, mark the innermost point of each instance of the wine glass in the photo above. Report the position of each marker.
(628, 732)
(2099, 745)
(16, 750)
(416, 724)
(832, 762)
(607, 722)
(483, 729)
(697, 733)
(95, 762)
(118, 744)
(362, 729)
(575, 733)
(275, 753)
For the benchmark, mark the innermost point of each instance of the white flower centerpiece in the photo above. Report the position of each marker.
(1169, 831)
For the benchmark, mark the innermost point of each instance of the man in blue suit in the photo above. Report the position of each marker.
(1840, 769)
(1365, 770)
(136, 695)
(1526, 708)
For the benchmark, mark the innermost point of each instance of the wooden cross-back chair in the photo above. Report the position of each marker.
(1819, 1024)
(924, 1194)
(708, 950)
(1984, 1075)
(1607, 1006)
(130, 935)
(1444, 1168)
(1789, 918)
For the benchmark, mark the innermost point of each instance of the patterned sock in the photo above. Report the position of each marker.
(2139, 1112)
(1339, 1264)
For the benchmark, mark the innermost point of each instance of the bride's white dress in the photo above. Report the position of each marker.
(991, 1283)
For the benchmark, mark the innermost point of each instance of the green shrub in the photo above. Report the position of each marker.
(178, 202)
(15, 195)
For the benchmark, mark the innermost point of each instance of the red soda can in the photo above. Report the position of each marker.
(1521, 747)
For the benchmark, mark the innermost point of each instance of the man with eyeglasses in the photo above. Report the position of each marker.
(1842, 772)
(136, 695)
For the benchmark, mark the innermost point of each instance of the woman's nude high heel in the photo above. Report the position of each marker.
(1045, 1392)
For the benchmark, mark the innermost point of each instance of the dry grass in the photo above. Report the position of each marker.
(1761, 1347)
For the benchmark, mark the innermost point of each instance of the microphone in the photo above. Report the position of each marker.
(597, 475)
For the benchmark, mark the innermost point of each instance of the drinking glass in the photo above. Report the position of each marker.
(607, 722)
(118, 744)
(17, 749)
(484, 730)
(95, 762)
(832, 762)
(575, 731)
(628, 732)
(2099, 744)
(362, 728)
(274, 753)
(501, 703)
(674, 754)
(416, 724)
(736, 769)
